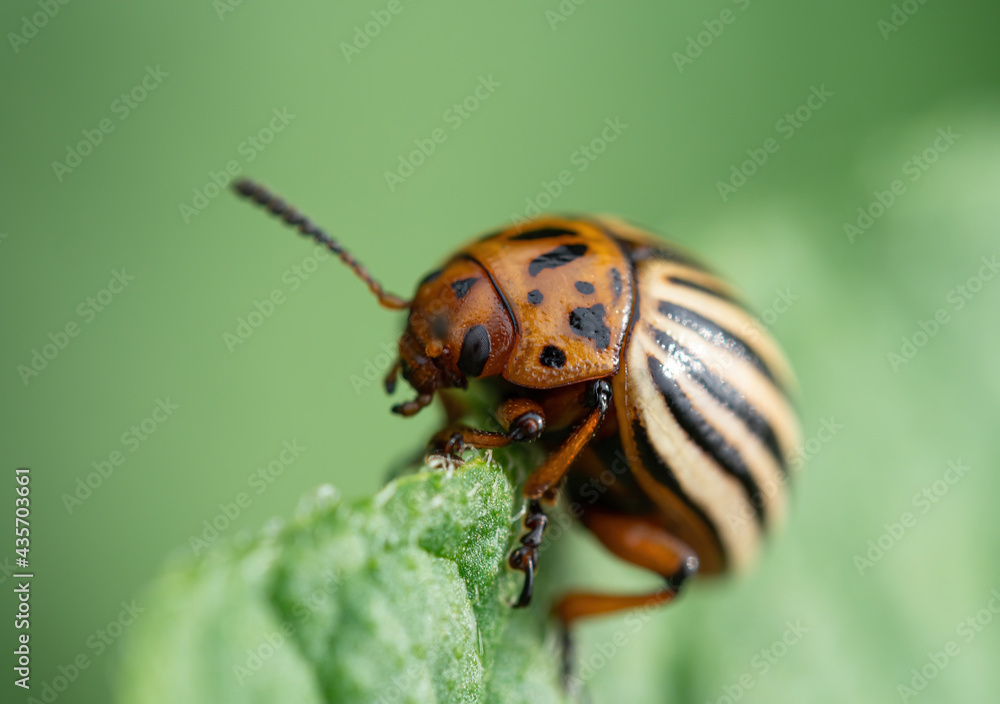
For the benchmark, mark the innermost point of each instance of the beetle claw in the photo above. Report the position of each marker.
(529, 582)
(525, 558)
(455, 445)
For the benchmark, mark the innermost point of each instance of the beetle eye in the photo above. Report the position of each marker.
(475, 351)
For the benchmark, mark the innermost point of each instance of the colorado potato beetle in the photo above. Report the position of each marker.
(620, 354)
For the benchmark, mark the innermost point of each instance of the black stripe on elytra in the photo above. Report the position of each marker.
(589, 323)
(642, 251)
(704, 434)
(563, 254)
(717, 335)
(730, 397)
(681, 281)
(462, 286)
(544, 233)
(475, 351)
(660, 471)
(638, 251)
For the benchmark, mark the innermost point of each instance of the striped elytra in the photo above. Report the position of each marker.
(700, 392)
(706, 397)
(663, 407)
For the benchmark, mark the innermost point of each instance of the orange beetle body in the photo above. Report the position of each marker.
(663, 408)
(544, 306)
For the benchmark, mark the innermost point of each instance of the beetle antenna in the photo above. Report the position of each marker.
(278, 207)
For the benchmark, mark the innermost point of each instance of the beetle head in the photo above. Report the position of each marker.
(458, 329)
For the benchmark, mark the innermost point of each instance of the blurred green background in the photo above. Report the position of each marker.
(216, 75)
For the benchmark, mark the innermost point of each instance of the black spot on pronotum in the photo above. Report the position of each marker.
(475, 351)
(462, 286)
(535, 297)
(552, 356)
(616, 282)
(430, 277)
(584, 287)
(544, 233)
(589, 323)
(563, 254)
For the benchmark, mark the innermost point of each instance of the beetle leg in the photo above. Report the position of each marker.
(390, 378)
(642, 542)
(553, 469)
(568, 652)
(409, 408)
(542, 484)
(525, 558)
(523, 419)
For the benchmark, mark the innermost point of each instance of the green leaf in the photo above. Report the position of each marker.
(403, 597)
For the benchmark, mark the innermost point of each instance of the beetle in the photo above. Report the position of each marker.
(665, 410)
